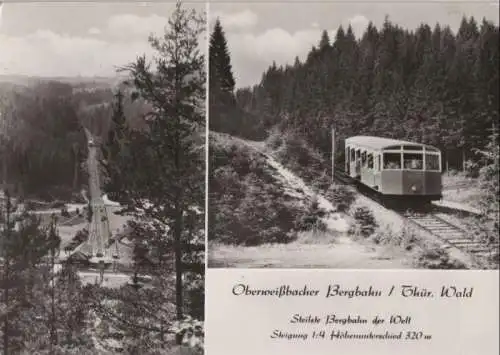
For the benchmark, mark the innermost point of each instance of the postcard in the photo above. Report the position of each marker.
(250, 177)
(353, 178)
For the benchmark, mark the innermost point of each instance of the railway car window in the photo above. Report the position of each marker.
(413, 161)
(392, 161)
(413, 147)
(393, 147)
(370, 161)
(353, 154)
(363, 158)
(378, 163)
(431, 149)
(431, 162)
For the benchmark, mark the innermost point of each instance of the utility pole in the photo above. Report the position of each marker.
(333, 154)
(101, 271)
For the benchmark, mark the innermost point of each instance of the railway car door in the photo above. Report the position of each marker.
(370, 175)
(357, 170)
(376, 170)
(347, 157)
(352, 162)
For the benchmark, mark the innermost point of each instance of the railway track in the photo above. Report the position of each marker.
(459, 185)
(449, 233)
(342, 177)
(428, 220)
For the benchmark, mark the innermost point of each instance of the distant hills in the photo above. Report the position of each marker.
(95, 81)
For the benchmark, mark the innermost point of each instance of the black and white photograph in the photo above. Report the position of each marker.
(102, 202)
(357, 135)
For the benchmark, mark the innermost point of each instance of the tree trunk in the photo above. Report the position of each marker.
(447, 162)
(463, 159)
(179, 299)
(4, 171)
(178, 260)
(53, 338)
(6, 271)
(6, 301)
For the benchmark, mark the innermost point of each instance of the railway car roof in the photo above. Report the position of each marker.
(379, 142)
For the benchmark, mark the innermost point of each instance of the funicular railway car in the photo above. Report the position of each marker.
(397, 170)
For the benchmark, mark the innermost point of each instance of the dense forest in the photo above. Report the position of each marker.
(429, 85)
(43, 146)
(158, 307)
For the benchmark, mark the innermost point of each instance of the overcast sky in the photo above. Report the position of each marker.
(258, 33)
(71, 39)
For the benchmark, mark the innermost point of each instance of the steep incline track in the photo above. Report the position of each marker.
(425, 219)
(451, 234)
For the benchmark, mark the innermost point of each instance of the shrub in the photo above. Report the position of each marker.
(252, 212)
(489, 184)
(493, 260)
(471, 169)
(275, 140)
(301, 158)
(191, 334)
(365, 223)
(322, 182)
(276, 234)
(248, 205)
(241, 161)
(407, 239)
(311, 219)
(263, 216)
(438, 259)
(341, 196)
(385, 236)
(81, 236)
(65, 212)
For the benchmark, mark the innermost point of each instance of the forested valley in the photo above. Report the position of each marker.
(152, 302)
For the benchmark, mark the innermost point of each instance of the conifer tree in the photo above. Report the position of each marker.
(27, 305)
(221, 83)
(325, 41)
(489, 184)
(220, 71)
(426, 84)
(162, 172)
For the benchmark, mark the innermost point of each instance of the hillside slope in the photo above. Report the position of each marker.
(330, 247)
